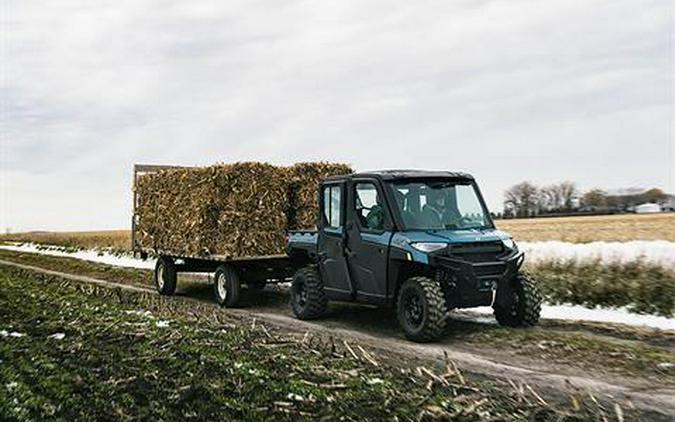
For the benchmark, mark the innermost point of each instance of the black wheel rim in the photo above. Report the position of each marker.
(515, 304)
(413, 310)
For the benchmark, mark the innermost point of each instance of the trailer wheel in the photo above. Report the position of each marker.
(308, 298)
(165, 276)
(227, 286)
(525, 305)
(421, 309)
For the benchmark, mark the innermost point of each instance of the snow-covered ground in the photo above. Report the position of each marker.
(90, 255)
(579, 313)
(655, 252)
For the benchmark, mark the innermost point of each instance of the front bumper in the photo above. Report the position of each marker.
(468, 284)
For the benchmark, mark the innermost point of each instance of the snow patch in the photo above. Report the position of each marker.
(162, 324)
(100, 257)
(579, 313)
(295, 397)
(57, 336)
(656, 252)
(5, 333)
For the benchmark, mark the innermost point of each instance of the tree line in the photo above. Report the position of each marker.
(528, 200)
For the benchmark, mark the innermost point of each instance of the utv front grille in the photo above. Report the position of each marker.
(477, 251)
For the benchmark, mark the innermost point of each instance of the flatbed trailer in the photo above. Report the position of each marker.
(231, 272)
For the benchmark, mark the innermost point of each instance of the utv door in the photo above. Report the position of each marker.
(331, 244)
(369, 232)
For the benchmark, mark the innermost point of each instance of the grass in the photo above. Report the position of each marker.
(583, 229)
(641, 351)
(85, 268)
(640, 287)
(130, 356)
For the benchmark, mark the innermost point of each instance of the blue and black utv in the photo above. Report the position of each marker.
(420, 242)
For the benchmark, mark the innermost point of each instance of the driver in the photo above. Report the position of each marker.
(434, 210)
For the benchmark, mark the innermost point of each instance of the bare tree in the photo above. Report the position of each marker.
(568, 192)
(655, 195)
(522, 200)
(596, 198)
(550, 197)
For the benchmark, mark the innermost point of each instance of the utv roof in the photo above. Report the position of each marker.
(406, 174)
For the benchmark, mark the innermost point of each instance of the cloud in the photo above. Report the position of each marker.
(507, 90)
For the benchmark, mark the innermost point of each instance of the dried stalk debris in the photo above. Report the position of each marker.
(239, 209)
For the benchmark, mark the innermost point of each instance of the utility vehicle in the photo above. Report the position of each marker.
(420, 242)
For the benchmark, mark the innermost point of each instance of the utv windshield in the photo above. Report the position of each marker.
(438, 205)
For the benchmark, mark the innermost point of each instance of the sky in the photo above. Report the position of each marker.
(506, 90)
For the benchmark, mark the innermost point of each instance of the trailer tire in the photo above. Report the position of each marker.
(165, 276)
(308, 298)
(526, 306)
(421, 309)
(227, 286)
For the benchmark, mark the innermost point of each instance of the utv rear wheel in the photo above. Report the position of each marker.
(227, 286)
(525, 305)
(421, 309)
(165, 276)
(308, 298)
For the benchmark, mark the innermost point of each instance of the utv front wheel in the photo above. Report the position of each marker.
(524, 307)
(421, 309)
(308, 298)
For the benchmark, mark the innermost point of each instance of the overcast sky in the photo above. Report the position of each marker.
(507, 90)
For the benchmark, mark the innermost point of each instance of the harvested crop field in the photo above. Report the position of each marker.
(618, 228)
(98, 352)
(582, 229)
(119, 240)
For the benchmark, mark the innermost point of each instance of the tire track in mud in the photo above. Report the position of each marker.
(556, 384)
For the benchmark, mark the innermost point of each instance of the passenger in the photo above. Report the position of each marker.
(375, 217)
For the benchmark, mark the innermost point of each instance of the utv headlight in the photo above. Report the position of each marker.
(510, 244)
(427, 247)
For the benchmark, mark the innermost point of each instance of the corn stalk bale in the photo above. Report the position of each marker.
(240, 209)
(227, 209)
(304, 181)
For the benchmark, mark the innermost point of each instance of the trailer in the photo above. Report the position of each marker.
(230, 272)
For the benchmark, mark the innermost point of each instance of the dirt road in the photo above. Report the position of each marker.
(376, 328)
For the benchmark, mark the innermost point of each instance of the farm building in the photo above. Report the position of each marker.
(647, 208)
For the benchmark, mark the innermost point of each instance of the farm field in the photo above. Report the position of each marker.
(165, 358)
(607, 228)
(275, 301)
(612, 228)
(114, 239)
